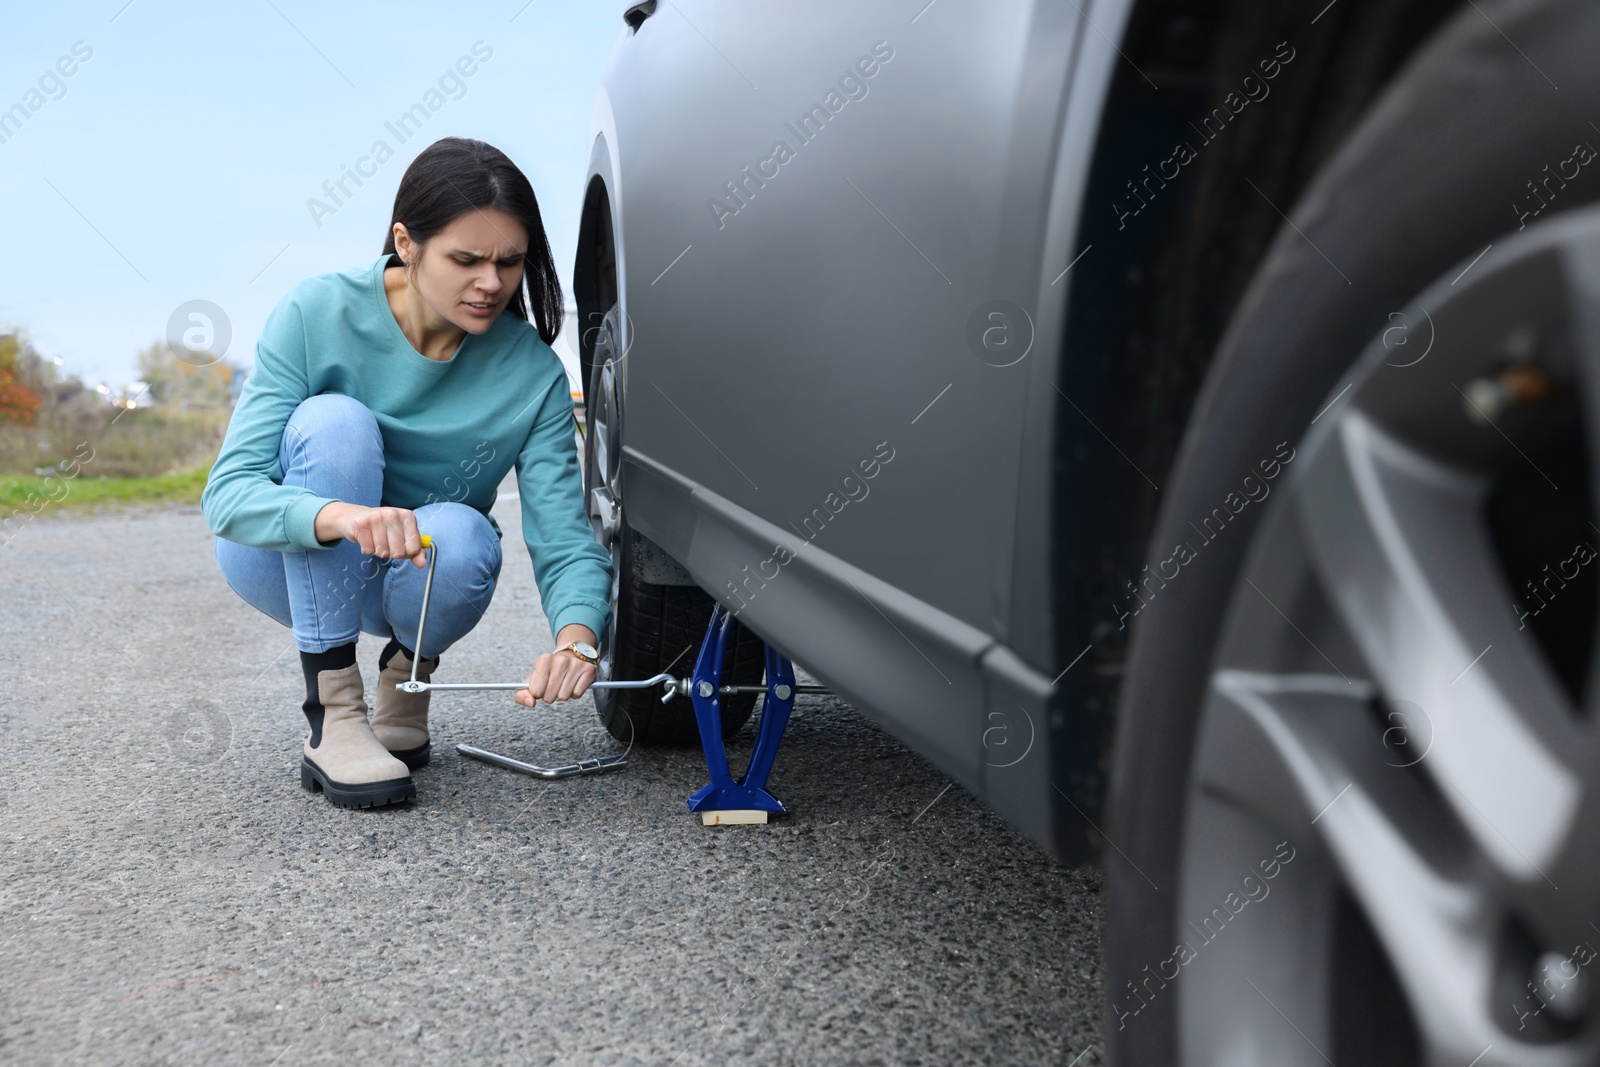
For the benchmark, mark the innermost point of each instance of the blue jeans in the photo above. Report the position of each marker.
(332, 446)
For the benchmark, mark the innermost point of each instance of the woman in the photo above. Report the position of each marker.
(387, 402)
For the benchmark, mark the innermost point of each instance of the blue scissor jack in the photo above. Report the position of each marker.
(744, 799)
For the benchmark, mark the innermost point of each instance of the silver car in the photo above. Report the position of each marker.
(1174, 420)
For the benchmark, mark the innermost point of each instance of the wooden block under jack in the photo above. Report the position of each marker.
(732, 818)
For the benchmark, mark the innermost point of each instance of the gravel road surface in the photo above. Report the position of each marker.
(172, 896)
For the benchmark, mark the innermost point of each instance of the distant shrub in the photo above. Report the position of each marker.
(52, 417)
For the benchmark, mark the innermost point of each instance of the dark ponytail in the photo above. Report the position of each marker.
(455, 175)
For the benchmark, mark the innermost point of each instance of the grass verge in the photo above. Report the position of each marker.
(42, 495)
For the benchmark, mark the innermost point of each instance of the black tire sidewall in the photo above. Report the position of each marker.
(1423, 184)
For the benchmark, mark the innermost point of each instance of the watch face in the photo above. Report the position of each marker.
(586, 650)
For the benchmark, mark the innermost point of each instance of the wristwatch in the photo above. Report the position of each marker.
(583, 650)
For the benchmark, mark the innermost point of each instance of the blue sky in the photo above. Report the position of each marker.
(176, 162)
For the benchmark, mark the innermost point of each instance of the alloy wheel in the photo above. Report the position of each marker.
(1391, 812)
(602, 465)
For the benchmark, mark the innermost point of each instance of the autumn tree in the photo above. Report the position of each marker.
(19, 404)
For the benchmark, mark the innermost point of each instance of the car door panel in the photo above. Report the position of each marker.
(753, 334)
(791, 320)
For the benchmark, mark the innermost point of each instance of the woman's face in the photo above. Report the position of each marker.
(471, 268)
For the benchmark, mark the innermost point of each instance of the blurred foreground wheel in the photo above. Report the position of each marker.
(1355, 823)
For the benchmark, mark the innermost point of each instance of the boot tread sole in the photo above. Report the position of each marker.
(355, 795)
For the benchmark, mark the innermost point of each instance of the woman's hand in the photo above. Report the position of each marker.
(388, 533)
(556, 676)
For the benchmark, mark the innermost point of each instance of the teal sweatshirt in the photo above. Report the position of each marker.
(451, 429)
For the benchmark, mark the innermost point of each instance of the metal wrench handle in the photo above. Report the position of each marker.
(674, 686)
(422, 623)
(414, 686)
(423, 687)
(593, 765)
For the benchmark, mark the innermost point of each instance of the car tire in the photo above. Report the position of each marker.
(1388, 227)
(656, 627)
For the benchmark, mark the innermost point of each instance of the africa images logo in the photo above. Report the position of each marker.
(1252, 889)
(852, 86)
(404, 127)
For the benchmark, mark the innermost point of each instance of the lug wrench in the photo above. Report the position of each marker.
(593, 765)
(671, 685)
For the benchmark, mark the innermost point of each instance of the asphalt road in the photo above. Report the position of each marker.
(171, 895)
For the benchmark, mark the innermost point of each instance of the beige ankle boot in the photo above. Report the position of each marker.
(342, 757)
(400, 720)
